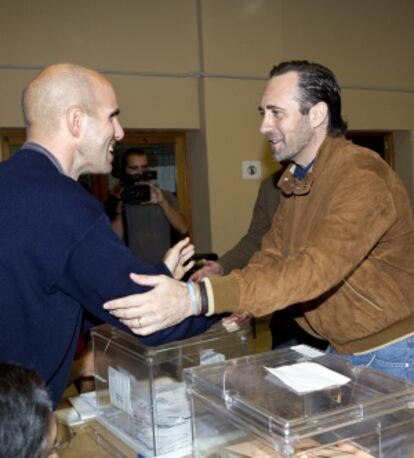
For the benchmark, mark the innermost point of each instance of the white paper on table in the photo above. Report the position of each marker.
(83, 408)
(307, 377)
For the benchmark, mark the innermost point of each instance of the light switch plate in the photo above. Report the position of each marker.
(251, 170)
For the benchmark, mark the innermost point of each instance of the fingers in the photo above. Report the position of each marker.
(194, 276)
(122, 302)
(188, 266)
(127, 312)
(209, 268)
(147, 280)
(134, 300)
(145, 330)
(168, 303)
(234, 322)
(179, 245)
(187, 253)
(133, 322)
(177, 258)
(230, 326)
(143, 320)
(182, 243)
(184, 246)
(181, 250)
(198, 275)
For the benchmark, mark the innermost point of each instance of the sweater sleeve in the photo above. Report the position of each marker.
(98, 269)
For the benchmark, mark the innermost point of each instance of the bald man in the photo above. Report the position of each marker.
(59, 255)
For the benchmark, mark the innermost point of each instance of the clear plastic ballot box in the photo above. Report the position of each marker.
(140, 391)
(298, 402)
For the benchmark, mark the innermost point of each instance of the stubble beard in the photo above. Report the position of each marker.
(294, 146)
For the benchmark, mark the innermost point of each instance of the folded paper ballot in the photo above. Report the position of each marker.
(307, 377)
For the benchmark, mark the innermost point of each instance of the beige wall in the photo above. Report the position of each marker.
(201, 65)
(127, 40)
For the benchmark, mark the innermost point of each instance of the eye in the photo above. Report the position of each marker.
(277, 113)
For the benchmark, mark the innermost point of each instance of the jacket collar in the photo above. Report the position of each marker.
(291, 185)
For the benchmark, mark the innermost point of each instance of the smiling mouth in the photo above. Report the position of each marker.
(273, 141)
(112, 147)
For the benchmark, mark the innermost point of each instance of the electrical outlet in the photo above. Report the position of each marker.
(251, 170)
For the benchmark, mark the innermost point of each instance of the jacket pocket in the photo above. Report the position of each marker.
(368, 301)
(360, 306)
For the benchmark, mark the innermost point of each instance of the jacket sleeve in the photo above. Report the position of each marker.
(357, 214)
(240, 254)
(98, 269)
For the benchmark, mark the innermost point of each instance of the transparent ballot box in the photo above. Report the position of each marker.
(140, 391)
(299, 402)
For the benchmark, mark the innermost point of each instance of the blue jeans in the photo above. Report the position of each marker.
(396, 359)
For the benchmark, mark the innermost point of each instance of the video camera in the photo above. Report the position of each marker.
(135, 192)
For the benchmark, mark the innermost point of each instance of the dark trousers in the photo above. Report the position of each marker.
(286, 332)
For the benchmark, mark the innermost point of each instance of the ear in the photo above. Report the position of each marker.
(75, 117)
(318, 114)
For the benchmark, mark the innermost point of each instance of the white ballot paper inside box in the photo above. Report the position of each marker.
(307, 377)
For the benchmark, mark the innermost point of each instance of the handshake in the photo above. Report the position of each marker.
(169, 301)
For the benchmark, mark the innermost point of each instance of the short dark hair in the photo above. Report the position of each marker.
(25, 413)
(135, 151)
(316, 84)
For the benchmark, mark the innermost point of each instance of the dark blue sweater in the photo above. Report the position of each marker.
(59, 258)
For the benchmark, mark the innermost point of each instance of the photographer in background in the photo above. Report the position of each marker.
(143, 215)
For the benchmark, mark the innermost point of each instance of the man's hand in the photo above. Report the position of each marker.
(157, 197)
(175, 218)
(209, 268)
(177, 256)
(234, 322)
(168, 303)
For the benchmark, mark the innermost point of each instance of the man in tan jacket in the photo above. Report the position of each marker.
(341, 244)
(284, 329)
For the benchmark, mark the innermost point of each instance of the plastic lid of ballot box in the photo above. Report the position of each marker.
(140, 392)
(299, 402)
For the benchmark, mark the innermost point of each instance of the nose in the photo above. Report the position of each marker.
(119, 131)
(265, 125)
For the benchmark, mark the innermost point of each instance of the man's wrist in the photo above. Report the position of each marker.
(200, 298)
(203, 298)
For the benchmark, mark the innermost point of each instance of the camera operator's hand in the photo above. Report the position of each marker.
(175, 218)
(157, 197)
(177, 256)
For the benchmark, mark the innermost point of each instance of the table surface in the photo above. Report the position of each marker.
(95, 441)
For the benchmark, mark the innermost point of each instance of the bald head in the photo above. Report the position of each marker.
(56, 88)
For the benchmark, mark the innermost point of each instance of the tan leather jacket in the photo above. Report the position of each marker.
(341, 245)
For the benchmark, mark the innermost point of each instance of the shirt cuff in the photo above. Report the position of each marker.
(225, 292)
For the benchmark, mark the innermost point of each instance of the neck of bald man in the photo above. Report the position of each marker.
(62, 157)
